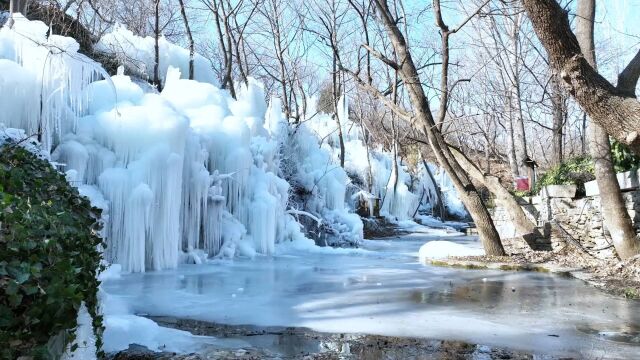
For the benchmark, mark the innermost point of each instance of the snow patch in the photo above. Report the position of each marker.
(444, 249)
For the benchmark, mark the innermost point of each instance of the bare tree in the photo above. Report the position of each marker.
(192, 49)
(615, 110)
(422, 112)
(156, 47)
(615, 213)
(558, 119)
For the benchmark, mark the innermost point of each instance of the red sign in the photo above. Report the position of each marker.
(522, 183)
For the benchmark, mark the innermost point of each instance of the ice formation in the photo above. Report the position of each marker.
(398, 201)
(138, 55)
(188, 173)
(183, 175)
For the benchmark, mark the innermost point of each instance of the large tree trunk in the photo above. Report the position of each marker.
(465, 188)
(616, 217)
(524, 226)
(617, 112)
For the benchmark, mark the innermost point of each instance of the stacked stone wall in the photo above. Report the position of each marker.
(580, 217)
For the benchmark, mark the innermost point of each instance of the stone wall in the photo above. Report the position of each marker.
(580, 217)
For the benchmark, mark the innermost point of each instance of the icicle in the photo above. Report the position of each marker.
(215, 209)
(137, 225)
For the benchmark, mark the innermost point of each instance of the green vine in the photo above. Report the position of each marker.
(575, 171)
(49, 258)
(623, 158)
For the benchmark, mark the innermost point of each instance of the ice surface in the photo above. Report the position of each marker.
(123, 328)
(383, 289)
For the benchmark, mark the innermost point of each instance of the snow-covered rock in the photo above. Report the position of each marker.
(443, 249)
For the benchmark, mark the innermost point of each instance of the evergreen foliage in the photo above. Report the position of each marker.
(49, 258)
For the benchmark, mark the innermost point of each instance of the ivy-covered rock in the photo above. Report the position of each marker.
(49, 258)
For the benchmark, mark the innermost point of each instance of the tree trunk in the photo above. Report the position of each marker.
(524, 226)
(335, 97)
(583, 139)
(558, 120)
(614, 110)
(192, 50)
(365, 141)
(519, 134)
(615, 214)
(18, 6)
(392, 184)
(156, 47)
(465, 188)
(436, 187)
(511, 144)
(220, 16)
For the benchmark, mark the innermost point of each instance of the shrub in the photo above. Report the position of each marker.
(575, 171)
(49, 258)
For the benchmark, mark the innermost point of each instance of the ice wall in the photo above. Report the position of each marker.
(49, 105)
(397, 202)
(320, 185)
(183, 175)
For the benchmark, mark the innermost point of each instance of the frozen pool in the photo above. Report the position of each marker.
(383, 289)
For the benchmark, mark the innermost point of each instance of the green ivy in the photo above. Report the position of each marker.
(623, 158)
(49, 258)
(575, 171)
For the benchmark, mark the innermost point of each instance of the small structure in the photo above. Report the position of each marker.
(527, 182)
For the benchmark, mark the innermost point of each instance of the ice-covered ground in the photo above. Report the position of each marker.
(383, 289)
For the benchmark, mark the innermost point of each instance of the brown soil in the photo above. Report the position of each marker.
(620, 278)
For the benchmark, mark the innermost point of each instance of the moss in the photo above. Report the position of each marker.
(631, 293)
(49, 257)
(465, 265)
(507, 267)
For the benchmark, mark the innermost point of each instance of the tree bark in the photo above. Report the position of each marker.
(616, 217)
(612, 109)
(628, 78)
(156, 47)
(335, 94)
(436, 187)
(192, 50)
(221, 18)
(465, 188)
(18, 6)
(524, 226)
(519, 133)
(558, 119)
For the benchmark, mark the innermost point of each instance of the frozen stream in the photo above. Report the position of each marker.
(384, 290)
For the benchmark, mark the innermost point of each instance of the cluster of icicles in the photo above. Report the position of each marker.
(183, 175)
